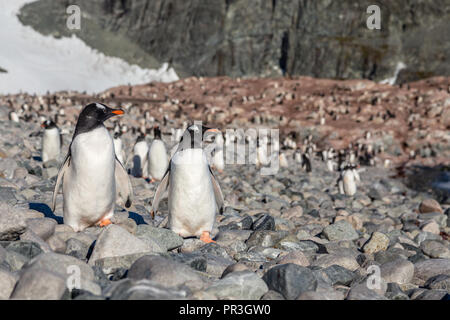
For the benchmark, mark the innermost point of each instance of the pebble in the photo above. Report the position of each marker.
(340, 230)
(290, 280)
(115, 241)
(240, 285)
(377, 242)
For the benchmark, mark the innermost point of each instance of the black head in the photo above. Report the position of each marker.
(157, 132)
(117, 134)
(93, 116)
(194, 135)
(48, 124)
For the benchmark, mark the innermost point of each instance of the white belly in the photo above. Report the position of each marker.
(140, 159)
(118, 150)
(89, 187)
(349, 183)
(51, 145)
(158, 160)
(192, 206)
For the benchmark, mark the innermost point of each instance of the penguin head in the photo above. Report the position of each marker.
(48, 124)
(93, 116)
(117, 134)
(194, 135)
(157, 132)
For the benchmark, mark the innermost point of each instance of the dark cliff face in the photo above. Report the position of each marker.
(320, 38)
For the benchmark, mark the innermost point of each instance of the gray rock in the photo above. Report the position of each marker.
(361, 292)
(12, 222)
(430, 268)
(236, 267)
(377, 242)
(241, 285)
(114, 241)
(339, 275)
(341, 230)
(61, 265)
(400, 271)
(290, 280)
(7, 282)
(42, 227)
(30, 236)
(165, 272)
(77, 249)
(330, 294)
(265, 222)
(432, 295)
(265, 238)
(116, 267)
(272, 295)
(144, 289)
(26, 248)
(40, 284)
(15, 261)
(435, 249)
(439, 282)
(167, 239)
(394, 292)
(346, 261)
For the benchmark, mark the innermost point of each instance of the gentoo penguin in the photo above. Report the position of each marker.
(347, 181)
(118, 147)
(51, 141)
(218, 161)
(91, 172)
(283, 160)
(193, 190)
(158, 160)
(13, 116)
(306, 162)
(140, 157)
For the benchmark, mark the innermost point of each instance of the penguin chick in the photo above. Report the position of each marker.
(51, 141)
(193, 190)
(158, 160)
(91, 174)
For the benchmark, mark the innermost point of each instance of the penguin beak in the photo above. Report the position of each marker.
(117, 111)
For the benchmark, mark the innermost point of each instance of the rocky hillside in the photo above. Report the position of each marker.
(231, 37)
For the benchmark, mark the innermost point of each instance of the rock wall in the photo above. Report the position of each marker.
(322, 38)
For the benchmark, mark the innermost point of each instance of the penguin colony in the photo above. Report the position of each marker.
(94, 178)
(157, 162)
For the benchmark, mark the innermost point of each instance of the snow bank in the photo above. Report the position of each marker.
(37, 63)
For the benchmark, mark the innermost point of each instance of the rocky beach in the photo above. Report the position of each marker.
(287, 235)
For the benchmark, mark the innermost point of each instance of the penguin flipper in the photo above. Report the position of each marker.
(61, 172)
(162, 187)
(123, 184)
(218, 195)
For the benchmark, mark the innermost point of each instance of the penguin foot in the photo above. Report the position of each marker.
(152, 180)
(205, 237)
(104, 223)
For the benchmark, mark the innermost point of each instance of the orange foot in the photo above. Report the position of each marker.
(152, 181)
(104, 223)
(205, 237)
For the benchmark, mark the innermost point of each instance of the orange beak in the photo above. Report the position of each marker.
(118, 111)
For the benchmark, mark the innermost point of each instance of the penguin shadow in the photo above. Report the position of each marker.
(136, 217)
(45, 209)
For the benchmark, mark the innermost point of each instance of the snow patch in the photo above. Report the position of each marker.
(38, 63)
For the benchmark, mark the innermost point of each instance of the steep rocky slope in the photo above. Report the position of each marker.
(265, 38)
